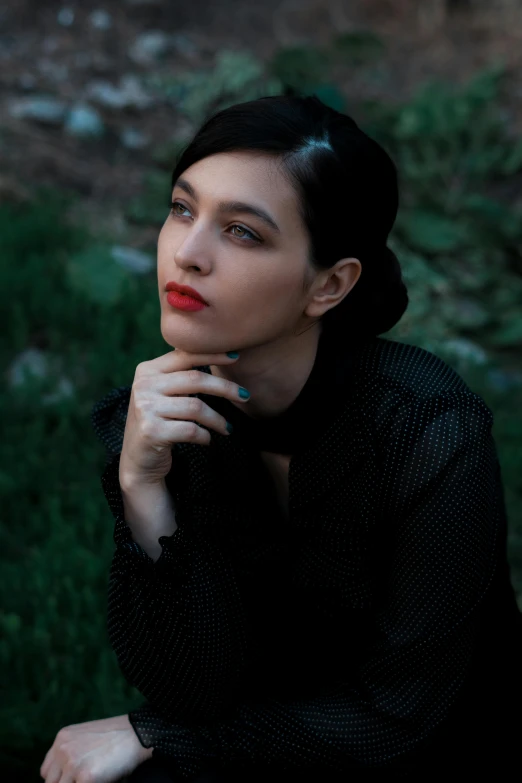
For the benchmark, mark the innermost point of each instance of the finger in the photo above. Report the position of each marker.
(46, 763)
(196, 382)
(181, 360)
(54, 774)
(68, 776)
(182, 432)
(190, 409)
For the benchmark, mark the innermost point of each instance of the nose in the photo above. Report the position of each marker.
(193, 251)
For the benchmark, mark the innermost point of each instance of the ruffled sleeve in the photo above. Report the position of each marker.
(175, 624)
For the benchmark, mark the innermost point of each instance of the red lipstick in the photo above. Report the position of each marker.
(183, 297)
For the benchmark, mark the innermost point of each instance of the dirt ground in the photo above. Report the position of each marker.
(60, 48)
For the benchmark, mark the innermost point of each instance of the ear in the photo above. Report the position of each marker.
(333, 285)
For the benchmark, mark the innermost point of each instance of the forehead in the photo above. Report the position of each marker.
(244, 176)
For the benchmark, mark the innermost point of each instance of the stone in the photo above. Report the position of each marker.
(134, 139)
(129, 93)
(132, 259)
(184, 45)
(84, 121)
(100, 19)
(34, 363)
(50, 111)
(64, 390)
(148, 47)
(56, 72)
(27, 81)
(466, 350)
(65, 17)
(31, 362)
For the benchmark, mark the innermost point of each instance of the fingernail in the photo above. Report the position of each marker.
(244, 393)
(233, 354)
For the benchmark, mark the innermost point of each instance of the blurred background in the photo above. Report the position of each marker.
(96, 100)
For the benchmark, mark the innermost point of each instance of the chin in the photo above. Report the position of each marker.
(193, 344)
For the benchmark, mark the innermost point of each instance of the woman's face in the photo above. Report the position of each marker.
(251, 273)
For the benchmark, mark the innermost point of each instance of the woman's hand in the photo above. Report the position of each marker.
(98, 751)
(161, 412)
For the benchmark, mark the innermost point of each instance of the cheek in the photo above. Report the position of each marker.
(264, 302)
(162, 239)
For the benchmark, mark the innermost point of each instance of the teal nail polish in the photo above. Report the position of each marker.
(244, 393)
(230, 428)
(233, 354)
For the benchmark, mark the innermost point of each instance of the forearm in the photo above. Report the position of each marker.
(188, 600)
(149, 513)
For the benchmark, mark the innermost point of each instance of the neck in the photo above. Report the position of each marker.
(274, 373)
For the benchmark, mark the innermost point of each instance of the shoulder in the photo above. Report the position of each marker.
(409, 370)
(403, 385)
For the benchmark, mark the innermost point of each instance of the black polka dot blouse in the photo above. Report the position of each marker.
(375, 627)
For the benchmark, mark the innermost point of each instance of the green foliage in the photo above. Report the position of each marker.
(93, 273)
(166, 154)
(236, 76)
(150, 207)
(56, 538)
(301, 67)
(356, 48)
(452, 149)
(62, 291)
(308, 69)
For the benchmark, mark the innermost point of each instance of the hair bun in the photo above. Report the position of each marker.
(377, 301)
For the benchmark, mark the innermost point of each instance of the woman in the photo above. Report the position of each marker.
(325, 591)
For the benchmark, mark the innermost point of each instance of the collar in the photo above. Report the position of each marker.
(321, 430)
(316, 405)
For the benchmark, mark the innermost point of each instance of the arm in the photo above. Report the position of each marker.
(158, 607)
(440, 497)
(149, 512)
(159, 610)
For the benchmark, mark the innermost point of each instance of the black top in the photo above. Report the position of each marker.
(320, 399)
(375, 628)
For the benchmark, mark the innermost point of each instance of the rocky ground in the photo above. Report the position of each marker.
(76, 110)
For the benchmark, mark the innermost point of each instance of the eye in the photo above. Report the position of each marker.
(252, 237)
(173, 206)
(246, 232)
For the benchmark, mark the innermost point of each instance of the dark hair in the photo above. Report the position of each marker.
(347, 193)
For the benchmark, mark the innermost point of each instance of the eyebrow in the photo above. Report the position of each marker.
(231, 206)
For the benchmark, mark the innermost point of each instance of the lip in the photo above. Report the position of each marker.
(185, 289)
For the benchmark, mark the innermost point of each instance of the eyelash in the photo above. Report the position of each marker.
(236, 225)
